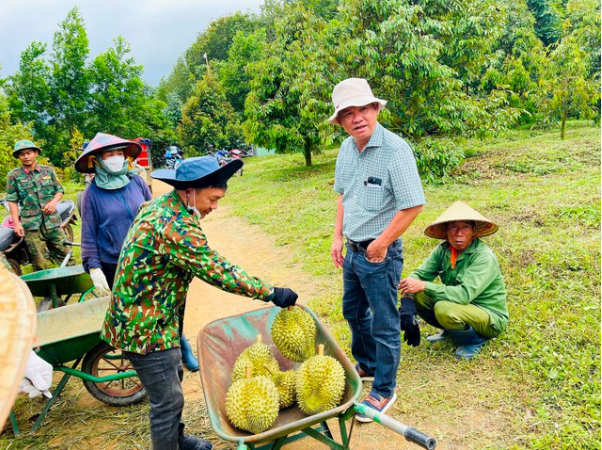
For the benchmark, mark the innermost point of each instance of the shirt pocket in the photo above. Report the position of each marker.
(25, 188)
(372, 197)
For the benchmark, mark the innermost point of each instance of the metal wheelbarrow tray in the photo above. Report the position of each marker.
(66, 280)
(54, 284)
(219, 344)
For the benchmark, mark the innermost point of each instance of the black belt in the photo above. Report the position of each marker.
(359, 246)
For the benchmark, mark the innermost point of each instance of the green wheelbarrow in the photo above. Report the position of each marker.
(57, 286)
(72, 333)
(221, 341)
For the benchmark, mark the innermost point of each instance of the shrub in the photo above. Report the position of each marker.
(437, 158)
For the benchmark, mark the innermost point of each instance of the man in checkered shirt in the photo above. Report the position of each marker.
(380, 196)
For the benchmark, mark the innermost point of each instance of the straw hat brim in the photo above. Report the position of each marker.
(460, 211)
(17, 331)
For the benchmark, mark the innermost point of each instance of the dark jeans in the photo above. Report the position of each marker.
(161, 374)
(370, 308)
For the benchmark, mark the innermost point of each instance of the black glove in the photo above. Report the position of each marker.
(284, 297)
(408, 322)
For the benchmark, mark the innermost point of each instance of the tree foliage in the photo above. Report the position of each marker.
(208, 119)
(64, 98)
(285, 107)
(118, 91)
(448, 68)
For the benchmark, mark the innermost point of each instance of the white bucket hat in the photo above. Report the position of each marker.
(353, 92)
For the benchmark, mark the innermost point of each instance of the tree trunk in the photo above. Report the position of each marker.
(307, 154)
(562, 125)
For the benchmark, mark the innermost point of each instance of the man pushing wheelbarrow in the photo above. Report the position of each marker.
(164, 250)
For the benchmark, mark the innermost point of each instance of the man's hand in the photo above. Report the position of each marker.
(411, 286)
(19, 230)
(49, 207)
(284, 297)
(376, 252)
(336, 253)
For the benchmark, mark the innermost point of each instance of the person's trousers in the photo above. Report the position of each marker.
(161, 374)
(453, 316)
(370, 308)
(109, 270)
(38, 240)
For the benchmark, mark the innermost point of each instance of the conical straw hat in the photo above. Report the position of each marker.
(17, 331)
(460, 211)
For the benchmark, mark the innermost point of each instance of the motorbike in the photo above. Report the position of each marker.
(173, 162)
(13, 246)
(224, 158)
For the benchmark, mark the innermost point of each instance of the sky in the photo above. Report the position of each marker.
(158, 31)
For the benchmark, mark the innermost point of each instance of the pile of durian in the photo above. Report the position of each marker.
(260, 389)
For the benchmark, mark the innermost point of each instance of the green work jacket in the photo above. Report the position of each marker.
(476, 280)
(164, 250)
(32, 189)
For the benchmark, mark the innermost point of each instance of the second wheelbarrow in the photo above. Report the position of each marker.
(72, 333)
(219, 344)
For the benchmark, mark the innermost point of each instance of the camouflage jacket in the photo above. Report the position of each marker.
(32, 189)
(164, 249)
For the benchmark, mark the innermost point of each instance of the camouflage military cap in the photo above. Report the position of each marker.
(24, 144)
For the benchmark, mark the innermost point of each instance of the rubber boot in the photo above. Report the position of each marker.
(189, 442)
(470, 342)
(441, 336)
(190, 361)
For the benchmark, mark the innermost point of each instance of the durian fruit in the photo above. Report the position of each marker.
(320, 383)
(294, 333)
(259, 358)
(285, 383)
(252, 404)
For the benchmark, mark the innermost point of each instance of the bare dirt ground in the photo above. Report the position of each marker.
(256, 252)
(80, 422)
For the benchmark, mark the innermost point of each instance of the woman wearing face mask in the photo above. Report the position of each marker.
(109, 205)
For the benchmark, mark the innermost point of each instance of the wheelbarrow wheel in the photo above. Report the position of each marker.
(104, 360)
(46, 304)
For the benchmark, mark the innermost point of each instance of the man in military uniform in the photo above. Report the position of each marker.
(164, 250)
(37, 190)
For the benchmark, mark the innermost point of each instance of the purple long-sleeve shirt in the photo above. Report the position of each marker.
(106, 219)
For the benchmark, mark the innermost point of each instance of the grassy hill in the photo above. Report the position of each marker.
(536, 386)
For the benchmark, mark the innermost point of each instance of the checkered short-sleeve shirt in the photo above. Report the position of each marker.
(376, 183)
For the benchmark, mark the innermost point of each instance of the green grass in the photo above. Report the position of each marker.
(537, 386)
(540, 380)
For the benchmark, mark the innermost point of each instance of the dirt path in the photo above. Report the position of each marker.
(249, 247)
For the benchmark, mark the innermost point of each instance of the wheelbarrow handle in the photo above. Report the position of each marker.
(410, 433)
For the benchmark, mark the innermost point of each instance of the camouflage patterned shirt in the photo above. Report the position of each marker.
(164, 249)
(32, 189)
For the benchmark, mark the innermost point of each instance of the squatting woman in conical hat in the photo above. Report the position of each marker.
(469, 304)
